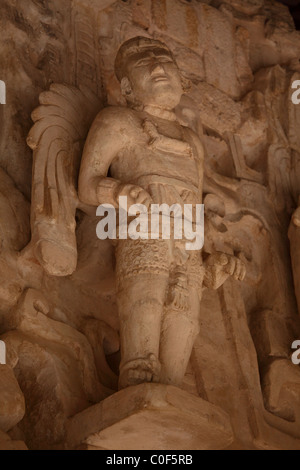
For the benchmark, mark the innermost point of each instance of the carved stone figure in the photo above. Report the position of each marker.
(152, 159)
(211, 121)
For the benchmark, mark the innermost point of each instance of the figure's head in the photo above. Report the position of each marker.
(148, 73)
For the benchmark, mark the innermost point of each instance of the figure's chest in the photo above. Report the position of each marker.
(167, 137)
(171, 130)
(160, 146)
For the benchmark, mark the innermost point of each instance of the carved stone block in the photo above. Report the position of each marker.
(151, 416)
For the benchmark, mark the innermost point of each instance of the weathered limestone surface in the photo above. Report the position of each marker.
(12, 404)
(151, 416)
(60, 308)
(6, 443)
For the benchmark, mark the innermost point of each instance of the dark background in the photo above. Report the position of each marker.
(294, 6)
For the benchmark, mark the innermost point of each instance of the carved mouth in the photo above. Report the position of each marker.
(159, 78)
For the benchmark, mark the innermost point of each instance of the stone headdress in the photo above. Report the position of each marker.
(133, 46)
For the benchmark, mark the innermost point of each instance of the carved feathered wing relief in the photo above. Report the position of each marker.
(61, 125)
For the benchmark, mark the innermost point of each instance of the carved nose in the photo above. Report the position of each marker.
(157, 69)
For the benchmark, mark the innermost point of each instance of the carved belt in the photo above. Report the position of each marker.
(166, 180)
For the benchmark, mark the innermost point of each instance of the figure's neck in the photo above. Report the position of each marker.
(160, 112)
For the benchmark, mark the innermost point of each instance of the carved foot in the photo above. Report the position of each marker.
(140, 370)
(281, 389)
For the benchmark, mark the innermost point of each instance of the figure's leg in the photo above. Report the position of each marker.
(140, 305)
(179, 331)
(142, 287)
(181, 317)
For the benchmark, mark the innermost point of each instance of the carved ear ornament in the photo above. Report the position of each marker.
(186, 84)
(125, 86)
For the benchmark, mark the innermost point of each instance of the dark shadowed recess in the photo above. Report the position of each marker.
(294, 6)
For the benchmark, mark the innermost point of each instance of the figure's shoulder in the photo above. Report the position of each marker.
(117, 117)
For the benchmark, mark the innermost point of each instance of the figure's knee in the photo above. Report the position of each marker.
(142, 290)
(140, 309)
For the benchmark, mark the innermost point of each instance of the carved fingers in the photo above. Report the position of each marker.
(218, 259)
(219, 266)
(235, 268)
(140, 196)
(135, 194)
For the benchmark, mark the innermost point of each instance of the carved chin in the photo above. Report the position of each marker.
(163, 96)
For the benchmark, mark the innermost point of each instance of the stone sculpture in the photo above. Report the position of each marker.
(74, 309)
(152, 159)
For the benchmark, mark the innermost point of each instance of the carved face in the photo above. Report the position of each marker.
(153, 78)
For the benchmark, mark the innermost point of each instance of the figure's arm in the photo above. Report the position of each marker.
(218, 266)
(110, 133)
(103, 144)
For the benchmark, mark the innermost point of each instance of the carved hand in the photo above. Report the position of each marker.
(219, 266)
(135, 194)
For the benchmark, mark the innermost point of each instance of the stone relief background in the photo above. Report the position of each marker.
(61, 333)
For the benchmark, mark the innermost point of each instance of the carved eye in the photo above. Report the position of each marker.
(165, 59)
(142, 62)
